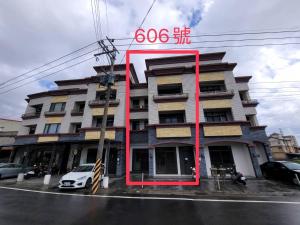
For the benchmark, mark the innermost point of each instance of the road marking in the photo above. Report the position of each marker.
(153, 198)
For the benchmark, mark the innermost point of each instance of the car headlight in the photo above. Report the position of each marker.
(81, 178)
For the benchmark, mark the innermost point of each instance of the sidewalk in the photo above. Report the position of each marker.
(117, 186)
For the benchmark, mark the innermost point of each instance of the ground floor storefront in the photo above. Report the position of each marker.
(62, 158)
(178, 160)
(162, 161)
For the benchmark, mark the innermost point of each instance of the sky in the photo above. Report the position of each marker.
(33, 33)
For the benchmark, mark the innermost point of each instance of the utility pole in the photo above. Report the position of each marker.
(106, 80)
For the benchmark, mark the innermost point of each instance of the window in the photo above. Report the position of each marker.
(57, 107)
(135, 103)
(38, 109)
(97, 121)
(32, 129)
(218, 116)
(79, 107)
(171, 117)
(101, 95)
(221, 156)
(146, 103)
(135, 125)
(251, 119)
(51, 128)
(173, 89)
(74, 128)
(213, 87)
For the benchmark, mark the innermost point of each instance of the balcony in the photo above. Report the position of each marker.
(32, 115)
(250, 103)
(170, 97)
(54, 113)
(76, 112)
(141, 108)
(217, 94)
(97, 103)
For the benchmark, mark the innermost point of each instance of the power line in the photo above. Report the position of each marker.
(48, 63)
(227, 34)
(94, 20)
(214, 41)
(47, 75)
(25, 78)
(107, 24)
(144, 19)
(226, 46)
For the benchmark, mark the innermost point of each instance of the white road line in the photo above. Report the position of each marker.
(153, 198)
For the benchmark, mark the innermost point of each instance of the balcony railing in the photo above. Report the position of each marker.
(96, 102)
(158, 98)
(32, 115)
(217, 93)
(76, 112)
(55, 113)
(140, 108)
(250, 102)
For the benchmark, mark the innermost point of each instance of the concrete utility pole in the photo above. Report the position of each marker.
(107, 80)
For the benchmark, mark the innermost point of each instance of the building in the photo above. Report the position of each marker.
(62, 126)
(8, 131)
(283, 146)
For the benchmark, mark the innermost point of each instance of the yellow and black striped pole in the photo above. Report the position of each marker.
(97, 175)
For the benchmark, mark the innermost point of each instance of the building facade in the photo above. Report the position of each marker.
(283, 146)
(62, 127)
(8, 131)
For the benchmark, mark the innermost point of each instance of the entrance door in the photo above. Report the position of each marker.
(112, 161)
(166, 160)
(187, 159)
(221, 156)
(140, 160)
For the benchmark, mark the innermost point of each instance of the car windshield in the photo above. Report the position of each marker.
(292, 166)
(83, 168)
(3, 165)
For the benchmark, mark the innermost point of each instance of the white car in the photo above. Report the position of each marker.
(79, 177)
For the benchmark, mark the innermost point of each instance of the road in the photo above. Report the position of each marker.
(19, 207)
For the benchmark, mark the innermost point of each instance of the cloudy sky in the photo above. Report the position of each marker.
(34, 32)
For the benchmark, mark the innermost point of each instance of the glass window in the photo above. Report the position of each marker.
(172, 117)
(173, 89)
(101, 95)
(221, 156)
(97, 121)
(52, 128)
(135, 125)
(57, 107)
(218, 116)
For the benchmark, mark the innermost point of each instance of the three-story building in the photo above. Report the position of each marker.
(62, 127)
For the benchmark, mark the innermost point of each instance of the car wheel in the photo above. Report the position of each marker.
(88, 183)
(295, 181)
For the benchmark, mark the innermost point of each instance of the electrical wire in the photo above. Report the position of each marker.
(47, 75)
(48, 63)
(33, 75)
(144, 19)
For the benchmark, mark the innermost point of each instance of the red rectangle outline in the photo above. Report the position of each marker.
(127, 120)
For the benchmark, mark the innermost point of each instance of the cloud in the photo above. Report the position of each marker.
(47, 84)
(195, 18)
(34, 32)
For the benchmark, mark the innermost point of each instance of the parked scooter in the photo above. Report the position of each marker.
(36, 171)
(237, 177)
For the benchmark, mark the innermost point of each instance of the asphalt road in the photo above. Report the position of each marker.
(18, 207)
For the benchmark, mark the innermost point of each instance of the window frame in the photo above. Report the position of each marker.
(61, 108)
(47, 128)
